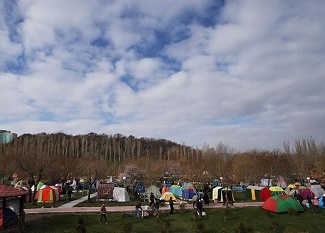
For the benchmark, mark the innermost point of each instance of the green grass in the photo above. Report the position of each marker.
(252, 219)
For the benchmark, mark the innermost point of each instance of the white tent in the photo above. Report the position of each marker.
(153, 189)
(317, 190)
(120, 194)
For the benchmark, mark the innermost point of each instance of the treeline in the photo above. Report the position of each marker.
(114, 148)
(45, 156)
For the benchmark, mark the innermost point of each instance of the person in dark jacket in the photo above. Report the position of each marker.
(206, 198)
(171, 205)
(152, 200)
(199, 207)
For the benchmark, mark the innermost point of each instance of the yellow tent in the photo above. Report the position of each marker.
(167, 195)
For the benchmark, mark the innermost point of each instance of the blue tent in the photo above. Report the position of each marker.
(139, 188)
(176, 190)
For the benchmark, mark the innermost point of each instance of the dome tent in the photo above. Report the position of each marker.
(281, 204)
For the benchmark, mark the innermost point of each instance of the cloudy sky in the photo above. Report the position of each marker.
(249, 74)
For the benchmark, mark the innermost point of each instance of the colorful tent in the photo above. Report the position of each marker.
(188, 193)
(167, 195)
(48, 194)
(281, 204)
(165, 188)
(217, 194)
(276, 190)
(258, 193)
(306, 192)
(176, 190)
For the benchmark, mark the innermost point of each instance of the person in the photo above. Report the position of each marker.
(138, 209)
(157, 204)
(194, 199)
(206, 198)
(171, 205)
(103, 213)
(309, 202)
(152, 200)
(199, 207)
(299, 199)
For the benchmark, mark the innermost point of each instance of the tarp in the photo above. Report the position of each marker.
(120, 194)
(282, 203)
(167, 195)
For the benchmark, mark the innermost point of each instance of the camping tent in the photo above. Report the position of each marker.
(120, 194)
(105, 191)
(306, 192)
(48, 194)
(139, 188)
(165, 188)
(317, 190)
(282, 203)
(167, 195)
(258, 193)
(276, 190)
(188, 193)
(176, 190)
(188, 190)
(153, 189)
(218, 194)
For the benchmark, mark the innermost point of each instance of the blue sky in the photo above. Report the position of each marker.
(247, 73)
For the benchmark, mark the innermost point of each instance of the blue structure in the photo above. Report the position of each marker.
(6, 136)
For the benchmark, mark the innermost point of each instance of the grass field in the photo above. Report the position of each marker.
(250, 219)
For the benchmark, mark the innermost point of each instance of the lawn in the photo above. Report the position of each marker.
(250, 219)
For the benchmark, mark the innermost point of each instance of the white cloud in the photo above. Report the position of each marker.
(247, 73)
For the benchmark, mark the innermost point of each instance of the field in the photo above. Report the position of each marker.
(250, 219)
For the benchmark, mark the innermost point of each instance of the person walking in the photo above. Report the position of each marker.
(152, 200)
(103, 212)
(199, 207)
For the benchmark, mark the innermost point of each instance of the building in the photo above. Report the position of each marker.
(6, 136)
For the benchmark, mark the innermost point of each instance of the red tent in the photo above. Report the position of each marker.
(48, 194)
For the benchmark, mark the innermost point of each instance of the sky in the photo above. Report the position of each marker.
(245, 73)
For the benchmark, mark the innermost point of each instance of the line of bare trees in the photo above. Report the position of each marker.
(95, 157)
